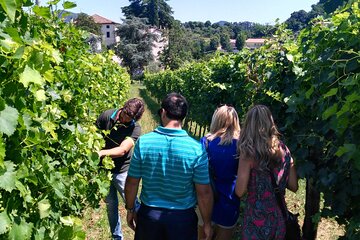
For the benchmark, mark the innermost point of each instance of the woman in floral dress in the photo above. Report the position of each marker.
(261, 153)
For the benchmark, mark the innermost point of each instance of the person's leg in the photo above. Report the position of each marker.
(223, 233)
(112, 203)
(120, 186)
(119, 182)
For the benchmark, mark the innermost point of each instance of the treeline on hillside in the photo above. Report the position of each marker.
(190, 41)
(185, 42)
(311, 84)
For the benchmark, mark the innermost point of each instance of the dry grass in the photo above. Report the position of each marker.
(95, 220)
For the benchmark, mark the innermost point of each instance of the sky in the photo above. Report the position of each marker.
(258, 11)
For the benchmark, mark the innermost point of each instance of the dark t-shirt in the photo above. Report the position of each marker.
(119, 132)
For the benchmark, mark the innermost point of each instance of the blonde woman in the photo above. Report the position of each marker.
(262, 154)
(220, 145)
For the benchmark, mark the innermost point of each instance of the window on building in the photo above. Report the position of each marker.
(108, 34)
(107, 26)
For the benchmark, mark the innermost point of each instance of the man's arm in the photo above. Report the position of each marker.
(119, 151)
(131, 189)
(205, 203)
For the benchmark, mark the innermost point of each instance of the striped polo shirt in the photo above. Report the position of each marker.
(169, 162)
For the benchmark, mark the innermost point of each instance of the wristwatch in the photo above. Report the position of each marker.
(131, 210)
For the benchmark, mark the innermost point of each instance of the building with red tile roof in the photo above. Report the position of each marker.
(108, 29)
(101, 20)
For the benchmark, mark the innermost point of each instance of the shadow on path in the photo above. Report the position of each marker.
(152, 105)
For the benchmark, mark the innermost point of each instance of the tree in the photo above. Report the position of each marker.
(135, 46)
(85, 22)
(178, 50)
(316, 10)
(158, 12)
(298, 20)
(240, 40)
(331, 5)
(225, 42)
(135, 9)
(153, 12)
(165, 15)
(214, 43)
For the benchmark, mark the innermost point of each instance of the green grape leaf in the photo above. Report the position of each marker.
(67, 220)
(309, 92)
(5, 223)
(290, 57)
(39, 234)
(330, 93)
(8, 177)
(24, 192)
(108, 163)
(68, 5)
(14, 34)
(31, 76)
(298, 71)
(40, 95)
(42, 11)
(330, 111)
(9, 7)
(66, 233)
(56, 55)
(21, 231)
(8, 120)
(347, 148)
(54, 2)
(44, 208)
(19, 52)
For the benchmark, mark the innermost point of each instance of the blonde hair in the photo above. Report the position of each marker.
(224, 124)
(259, 138)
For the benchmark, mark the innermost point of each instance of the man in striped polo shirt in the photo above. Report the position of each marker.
(173, 168)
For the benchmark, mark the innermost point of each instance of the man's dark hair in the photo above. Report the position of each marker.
(175, 105)
(134, 108)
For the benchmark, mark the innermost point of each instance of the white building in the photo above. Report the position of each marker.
(108, 30)
(253, 43)
(159, 44)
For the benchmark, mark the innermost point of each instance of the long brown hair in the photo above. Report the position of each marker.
(224, 124)
(259, 139)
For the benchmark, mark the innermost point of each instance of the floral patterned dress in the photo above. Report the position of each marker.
(262, 217)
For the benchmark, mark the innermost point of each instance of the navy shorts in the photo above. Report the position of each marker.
(165, 224)
(225, 212)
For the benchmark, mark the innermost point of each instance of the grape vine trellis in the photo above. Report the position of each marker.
(312, 85)
(52, 88)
